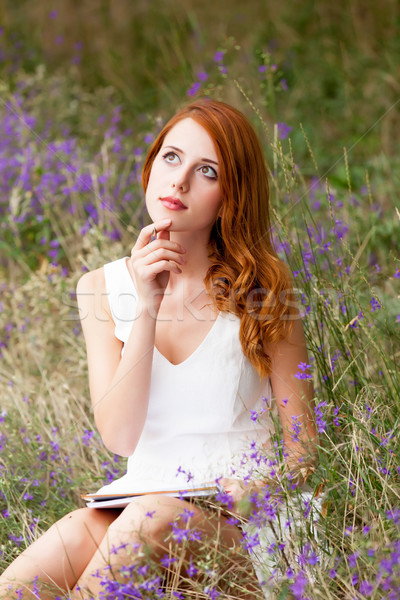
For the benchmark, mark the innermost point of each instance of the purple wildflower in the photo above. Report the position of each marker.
(194, 88)
(188, 474)
(353, 322)
(250, 541)
(307, 508)
(332, 573)
(340, 229)
(179, 534)
(301, 374)
(167, 561)
(352, 558)
(296, 428)
(211, 592)
(87, 436)
(284, 84)
(366, 588)
(191, 570)
(254, 415)
(321, 423)
(186, 515)
(218, 56)
(375, 305)
(394, 515)
(284, 130)
(17, 539)
(299, 585)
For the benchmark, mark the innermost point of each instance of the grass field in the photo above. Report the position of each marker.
(80, 104)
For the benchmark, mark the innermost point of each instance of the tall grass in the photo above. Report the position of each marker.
(71, 201)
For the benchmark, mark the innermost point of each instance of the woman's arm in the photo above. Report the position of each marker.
(119, 386)
(294, 399)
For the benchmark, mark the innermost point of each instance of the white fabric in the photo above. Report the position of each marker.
(199, 422)
(199, 418)
(299, 513)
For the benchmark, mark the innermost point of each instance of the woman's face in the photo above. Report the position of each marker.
(183, 183)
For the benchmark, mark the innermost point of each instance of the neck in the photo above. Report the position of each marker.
(197, 261)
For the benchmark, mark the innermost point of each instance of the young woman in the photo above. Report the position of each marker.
(185, 337)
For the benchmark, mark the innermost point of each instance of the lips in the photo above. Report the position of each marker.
(172, 203)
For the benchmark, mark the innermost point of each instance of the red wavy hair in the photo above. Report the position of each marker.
(246, 276)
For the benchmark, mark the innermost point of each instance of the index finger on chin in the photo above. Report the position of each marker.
(147, 232)
(163, 235)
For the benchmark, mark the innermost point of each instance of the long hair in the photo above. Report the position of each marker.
(246, 276)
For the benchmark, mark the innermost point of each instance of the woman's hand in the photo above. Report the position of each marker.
(236, 490)
(151, 262)
(239, 491)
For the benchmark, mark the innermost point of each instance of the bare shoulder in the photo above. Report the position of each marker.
(92, 281)
(91, 288)
(295, 341)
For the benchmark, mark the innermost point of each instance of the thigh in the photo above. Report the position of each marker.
(185, 542)
(157, 519)
(193, 537)
(206, 540)
(61, 554)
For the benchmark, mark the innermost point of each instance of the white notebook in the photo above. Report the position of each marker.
(100, 500)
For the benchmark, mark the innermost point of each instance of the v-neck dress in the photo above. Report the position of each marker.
(200, 423)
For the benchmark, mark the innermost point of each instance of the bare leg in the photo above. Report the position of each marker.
(147, 521)
(60, 555)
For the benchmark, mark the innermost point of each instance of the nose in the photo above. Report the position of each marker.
(181, 180)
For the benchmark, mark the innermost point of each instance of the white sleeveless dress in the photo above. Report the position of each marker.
(199, 423)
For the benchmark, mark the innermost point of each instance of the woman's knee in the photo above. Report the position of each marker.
(156, 520)
(149, 519)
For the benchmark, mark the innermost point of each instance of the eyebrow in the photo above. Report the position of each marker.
(202, 159)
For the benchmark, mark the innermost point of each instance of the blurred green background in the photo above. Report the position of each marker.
(87, 84)
(339, 60)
